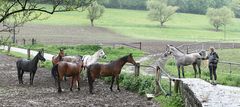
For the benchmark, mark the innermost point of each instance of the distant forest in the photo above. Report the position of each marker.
(185, 6)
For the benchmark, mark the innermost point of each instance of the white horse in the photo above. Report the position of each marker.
(183, 59)
(91, 59)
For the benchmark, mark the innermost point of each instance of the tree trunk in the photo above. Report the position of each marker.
(225, 32)
(14, 35)
(92, 22)
(217, 28)
(161, 24)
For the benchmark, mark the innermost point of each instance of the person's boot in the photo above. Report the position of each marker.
(211, 82)
(214, 82)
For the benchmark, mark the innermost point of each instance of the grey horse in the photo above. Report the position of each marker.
(183, 59)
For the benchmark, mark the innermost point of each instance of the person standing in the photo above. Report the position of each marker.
(213, 59)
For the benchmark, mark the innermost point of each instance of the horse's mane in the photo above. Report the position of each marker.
(178, 49)
(124, 58)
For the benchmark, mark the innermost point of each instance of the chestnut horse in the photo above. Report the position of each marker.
(111, 69)
(55, 60)
(69, 69)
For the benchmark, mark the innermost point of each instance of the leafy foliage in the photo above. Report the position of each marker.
(95, 11)
(220, 17)
(10, 7)
(160, 11)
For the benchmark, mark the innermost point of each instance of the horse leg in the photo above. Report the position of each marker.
(178, 67)
(199, 69)
(59, 84)
(19, 75)
(113, 77)
(195, 70)
(73, 77)
(117, 79)
(183, 71)
(31, 78)
(78, 82)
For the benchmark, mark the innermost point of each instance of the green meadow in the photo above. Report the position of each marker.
(135, 24)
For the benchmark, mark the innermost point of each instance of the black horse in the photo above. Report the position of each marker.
(28, 66)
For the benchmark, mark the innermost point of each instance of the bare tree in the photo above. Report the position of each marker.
(8, 7)
(18, 20)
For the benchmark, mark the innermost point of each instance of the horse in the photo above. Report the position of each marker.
(111, 69)
(69, 69)
(73, 59)
(91, 59)
(55, 60)
(183, 59)
(28, 66)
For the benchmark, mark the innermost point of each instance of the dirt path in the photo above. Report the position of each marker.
(44, 92)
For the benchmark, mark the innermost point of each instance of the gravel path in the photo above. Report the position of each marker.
(44, 91)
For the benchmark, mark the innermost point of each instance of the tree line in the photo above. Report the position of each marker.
(185, 6)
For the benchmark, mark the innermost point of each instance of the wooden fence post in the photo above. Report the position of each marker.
(24, 41)
(157, 78)
(137, 69)
(140, 45)
(176, 86)
(9, 48)
(28, 54)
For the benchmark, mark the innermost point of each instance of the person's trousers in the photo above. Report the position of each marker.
(212, 69)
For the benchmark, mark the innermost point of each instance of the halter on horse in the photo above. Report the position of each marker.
(111, 69)
(28, 66)
(183, 59)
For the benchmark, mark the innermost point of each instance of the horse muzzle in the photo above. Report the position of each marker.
(104, 57)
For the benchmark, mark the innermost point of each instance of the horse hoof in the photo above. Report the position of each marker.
(91, 92)
(70, 89)
(59, 90)
(78, 89)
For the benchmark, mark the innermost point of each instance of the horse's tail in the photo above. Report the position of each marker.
(90, 79)
(55, 71)
(89, 74)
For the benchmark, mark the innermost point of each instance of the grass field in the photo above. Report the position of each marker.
(134, 24)
(223, 70)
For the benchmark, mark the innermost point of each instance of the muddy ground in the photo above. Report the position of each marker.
(44, 91)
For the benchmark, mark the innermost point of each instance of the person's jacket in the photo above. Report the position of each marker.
(213, 58)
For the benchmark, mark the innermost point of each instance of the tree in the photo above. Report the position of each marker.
(18, 20)
(95, 11)
(220, 17)
(235, 6)
(8, 7)
(160, 11)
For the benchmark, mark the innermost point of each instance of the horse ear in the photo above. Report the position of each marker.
(130, 54)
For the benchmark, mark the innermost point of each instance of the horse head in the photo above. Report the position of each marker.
(101, 54)
(168, 51)
(131, 60)
(40, 56)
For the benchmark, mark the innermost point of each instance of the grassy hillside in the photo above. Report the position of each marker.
(134, 24)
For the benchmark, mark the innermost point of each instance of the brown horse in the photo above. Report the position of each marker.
(55, 60)
(111, 69)
(69, 69)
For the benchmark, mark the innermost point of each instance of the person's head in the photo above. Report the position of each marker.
(211, 49)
